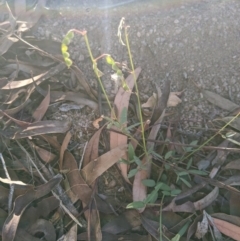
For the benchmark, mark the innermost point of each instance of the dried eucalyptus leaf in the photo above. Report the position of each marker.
(219, 101)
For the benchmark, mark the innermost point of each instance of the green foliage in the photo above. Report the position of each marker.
(132, 172)
(148, 182)
(131, 152)
(136, 205)
(181, 231)
(64, 48)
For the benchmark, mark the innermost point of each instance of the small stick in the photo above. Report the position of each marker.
(196, 146)
(11, 192)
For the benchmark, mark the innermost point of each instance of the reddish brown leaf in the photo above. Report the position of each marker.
(113, 237)
(71, 234)
(75, 97)
(185, 207)
(45, 155)
(152, 227)
(219, 101)
(228, 218)
(41, 127)
(140, 190)
(94, 226)
(42, 108)
(64, 148)
(96, 122)
(21, 203)
(9, 99)
(20, 123)
(91, 152)
(38, 79)
(97, 167)
(233, 165)
(42, 209)
(234, 204)
(45, 227)
(21, 106)
(78, 185)
(121, 102)
(123, 223)
(207, 200)
(83, 82)
(192, 228)
(92, 215)
(228, 229)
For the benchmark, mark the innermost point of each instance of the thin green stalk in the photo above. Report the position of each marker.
(99, 80)
(207, 141)
(84, 34)
(160, 222)
(136, 85)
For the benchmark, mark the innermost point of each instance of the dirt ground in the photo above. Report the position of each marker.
(192, 43)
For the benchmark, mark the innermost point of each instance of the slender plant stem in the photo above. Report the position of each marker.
(84, 34)
(207, 141)
(137, 91)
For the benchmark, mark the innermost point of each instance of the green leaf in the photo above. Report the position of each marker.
(175, 192)
(152, 197)
(158, 185)
(66, 41)
(132, 172)
(176, 237)
(122, 160)
(162, 186)
(194, 143)
(148, 182)
(167, 167)
(119, 72)
(185, 182)
(129, 128)
(168, 155)
(65, 55)
(198, 172)
(125, 86)
(184, 228)
(70, 35)
(137, 204)
(110, 60)
(182, 173)
(123, 116)
(115, 67)
(137, 161)
(189, 164)
(131, 152)
(155, 154)
(98, 72)
(166, 193)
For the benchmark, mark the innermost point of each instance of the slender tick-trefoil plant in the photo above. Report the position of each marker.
(64, 48)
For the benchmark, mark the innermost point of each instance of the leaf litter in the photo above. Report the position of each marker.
(41, 144)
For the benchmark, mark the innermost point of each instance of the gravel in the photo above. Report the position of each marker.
(193, 43)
